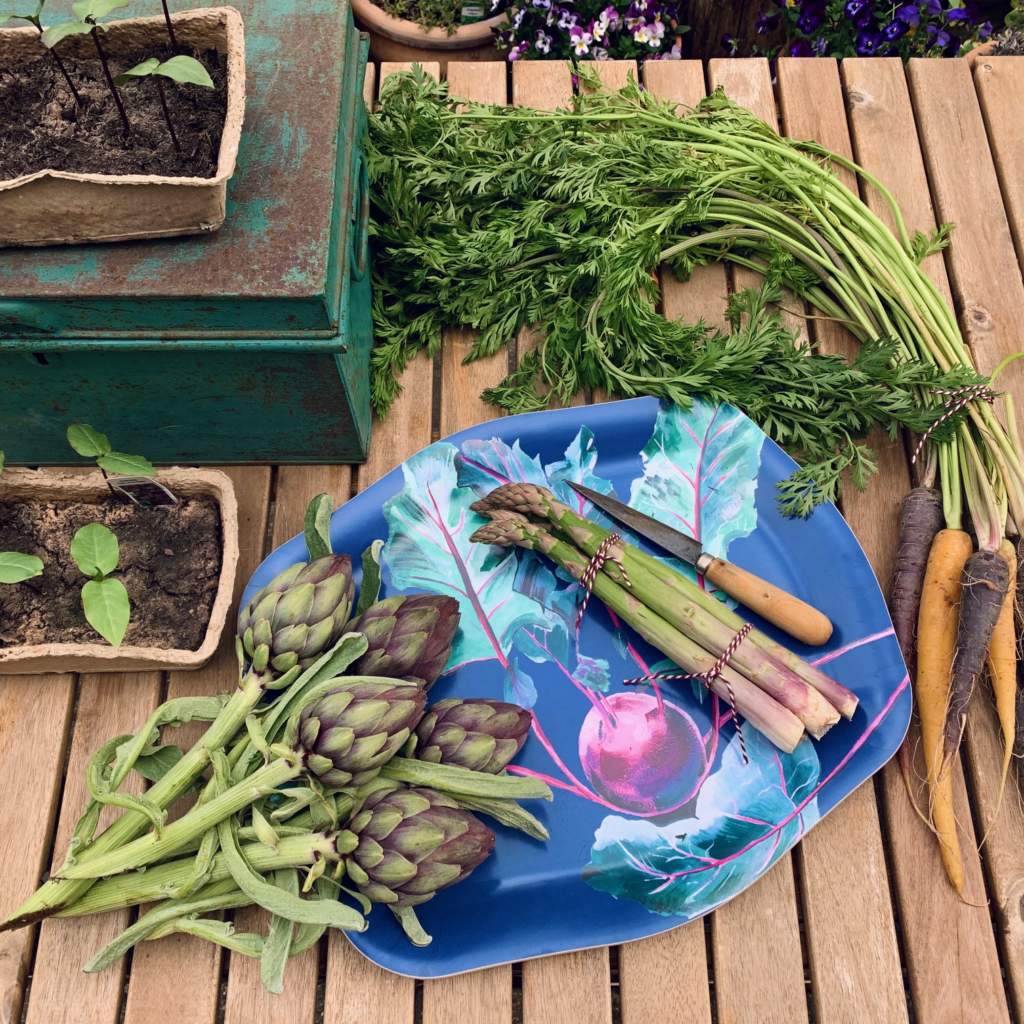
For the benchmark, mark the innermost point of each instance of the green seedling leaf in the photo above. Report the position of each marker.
(95, 550)
(318, 526)
(1, 462)
(143, 70)
(126, 465)
(107, 608)
(55, 33)
(153, 767)
(85, 440)
(16, 567)
(93, 10)
(185, 71)
(23, 15)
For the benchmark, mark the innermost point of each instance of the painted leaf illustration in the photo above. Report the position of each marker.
(747, 816)
(428, 549)
(484, 465)
(700, 474)
(519, 687)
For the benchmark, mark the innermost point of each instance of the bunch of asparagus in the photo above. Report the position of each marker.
(774, 689)
(324, 763)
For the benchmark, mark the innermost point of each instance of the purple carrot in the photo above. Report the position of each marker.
(984, 582)
(920, 520)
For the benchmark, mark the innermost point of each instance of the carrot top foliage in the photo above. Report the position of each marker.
(496, 218)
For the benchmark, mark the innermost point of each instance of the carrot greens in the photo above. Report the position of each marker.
(499, 218)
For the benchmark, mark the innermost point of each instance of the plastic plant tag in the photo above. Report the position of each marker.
(143, 491)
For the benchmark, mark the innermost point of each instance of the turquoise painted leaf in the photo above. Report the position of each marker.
(484, 465)
(428, 549)
(700, 474)
(747, 816)
(519, 687)
(593, 673)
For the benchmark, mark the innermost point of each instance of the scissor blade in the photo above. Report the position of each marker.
(671, 540)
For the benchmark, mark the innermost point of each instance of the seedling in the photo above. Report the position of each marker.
(34, 17)
(88, 14)
(180, 69)
(14, 566)
(94, 445)
(104, 599)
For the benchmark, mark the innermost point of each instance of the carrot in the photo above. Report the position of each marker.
(920, 520)
(1002, 662)
(986, 579)
(1018, 740)
(936, 645)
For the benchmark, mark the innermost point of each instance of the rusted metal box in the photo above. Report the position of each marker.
(248, 345)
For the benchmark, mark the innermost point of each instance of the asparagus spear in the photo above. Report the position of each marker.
(765, 713)
(674, 590)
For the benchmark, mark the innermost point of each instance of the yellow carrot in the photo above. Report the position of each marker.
(1002, 664)
(936, 645)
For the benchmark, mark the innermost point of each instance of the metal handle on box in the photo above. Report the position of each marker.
(359, 237)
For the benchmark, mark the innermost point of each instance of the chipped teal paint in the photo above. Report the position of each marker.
(290, 394)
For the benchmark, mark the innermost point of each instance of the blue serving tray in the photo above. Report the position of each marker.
(655, 820)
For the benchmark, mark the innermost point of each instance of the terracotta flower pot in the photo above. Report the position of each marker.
(52, 207)
(37, 485)
(416, 37)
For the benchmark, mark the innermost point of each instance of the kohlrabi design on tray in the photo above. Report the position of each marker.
(691, 823)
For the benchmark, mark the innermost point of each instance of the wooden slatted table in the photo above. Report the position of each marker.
(857, 924)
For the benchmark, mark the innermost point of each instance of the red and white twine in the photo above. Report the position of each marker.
(707, 678)
(600, 556)
(956, 399)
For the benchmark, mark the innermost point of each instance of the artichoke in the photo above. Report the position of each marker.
(299, 614)
(349, 733)
(408, 637)
(413, 842)
(482, 735)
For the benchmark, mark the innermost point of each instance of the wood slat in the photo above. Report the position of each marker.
(1000, 85)
(108, 705)
(948, 948)
(575, 986)
(758, 960)
(247, 1000)
(355, 990)
(484, 996)
(989, 295)
(844, 878)
(665, 979)
(35, 720)
(705, 295)
(179, 976)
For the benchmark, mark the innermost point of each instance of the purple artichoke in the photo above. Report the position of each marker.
(413, 843)
(483, 735)
(347, 735)
(299, 614)
(408, 637)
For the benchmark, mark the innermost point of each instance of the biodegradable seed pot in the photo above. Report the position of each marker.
(146, 152)
(176, 563)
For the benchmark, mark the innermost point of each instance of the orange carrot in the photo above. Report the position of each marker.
(936, 646)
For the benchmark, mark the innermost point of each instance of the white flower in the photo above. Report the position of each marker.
(642, 34)
(543, 43)
(600, 27)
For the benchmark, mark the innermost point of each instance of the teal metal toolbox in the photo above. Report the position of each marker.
(251, 344)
